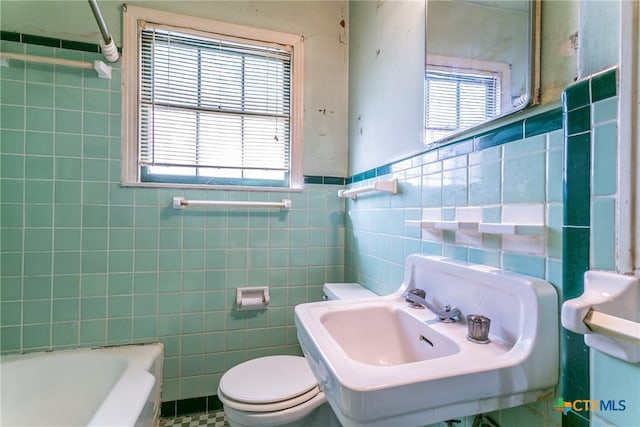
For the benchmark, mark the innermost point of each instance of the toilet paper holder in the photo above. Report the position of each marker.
(253, 298)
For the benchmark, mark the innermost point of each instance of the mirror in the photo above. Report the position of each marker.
(479, 62)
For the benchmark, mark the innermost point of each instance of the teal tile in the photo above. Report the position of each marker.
(39, 95)
(38, 287)
(38, 191)
(66, 286)
(575, 259)
(93, 331)
(68, 169)
(121, 216)
(94, 239)
(94, 285)
(543, 123)
(95, 170)
(524, 264)
(12, 117)
(120, 239)
(192, 344)
(70, 77)
(169, 260)
(38, 239)
(67, 216)
(120, 261)
(12, 166)
(39, 167)
(120, 306)
(93, 308)
(554, 176)
(12, 192)
(603, 233)
(524, 179)
(68, 98)
(39, 119)
(11, 264)
(94, 262)
(170, 239)
(576, 95)
(11, 289)
(96, 101)
(96, 124)
(37, 263)
(527, 145)
(577, 189)
(485, 183)
(145, 282)
(39, 143)
(192, 302)
(65, 334)
(144, 305)
(554, 231)
(454, 187)
(611, 378)
(39, 73)
(575, 368)
(11, 240)
(193, 280)
(144, 327)
(605, 110)
(119, 284)
(10, 338)
(95, 147)
(95, 193)
(192, 323)
(68, 192)
(95, 216)
(67, 145)
(578, 121)
(12, 92)
(119, 330)
(479, 256)
(605, 160)
(604, 85)
(66, 310)
(36, 336)
(37, 311)
(12, 141)
(68, 121)
(11, 313)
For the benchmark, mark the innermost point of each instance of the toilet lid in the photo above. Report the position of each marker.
(268, 379)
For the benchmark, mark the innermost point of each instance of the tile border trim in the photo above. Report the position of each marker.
(544, 122)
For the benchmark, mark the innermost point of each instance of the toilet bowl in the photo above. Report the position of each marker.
(280, 390)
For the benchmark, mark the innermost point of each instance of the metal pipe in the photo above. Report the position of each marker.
(109, 49)
(100, 21)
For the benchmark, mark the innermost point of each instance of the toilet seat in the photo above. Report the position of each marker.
(267, 384)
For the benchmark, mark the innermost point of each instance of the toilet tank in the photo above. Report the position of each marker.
(340, 291)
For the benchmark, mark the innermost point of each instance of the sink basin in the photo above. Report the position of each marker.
(382, 335)
(381, 362)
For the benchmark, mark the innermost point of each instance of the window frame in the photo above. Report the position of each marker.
(456, 65)
(131, 173)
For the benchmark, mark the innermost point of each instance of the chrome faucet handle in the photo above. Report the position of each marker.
(415, 297)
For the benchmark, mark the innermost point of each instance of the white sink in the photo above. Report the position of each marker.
(381, 334)
(381, 362)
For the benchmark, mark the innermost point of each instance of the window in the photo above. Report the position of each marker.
(461, 93)
(209, 108)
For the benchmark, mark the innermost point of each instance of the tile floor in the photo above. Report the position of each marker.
(211, 419)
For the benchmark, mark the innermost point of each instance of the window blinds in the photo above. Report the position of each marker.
(213, 106)
(455, 100)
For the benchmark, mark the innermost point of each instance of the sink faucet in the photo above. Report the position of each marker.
(447, 314)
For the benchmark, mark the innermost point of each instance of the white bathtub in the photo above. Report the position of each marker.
(110, 386)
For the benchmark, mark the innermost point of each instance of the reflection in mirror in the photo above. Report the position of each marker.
(478, 63)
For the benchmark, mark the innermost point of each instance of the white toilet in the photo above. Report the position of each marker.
(281, 390)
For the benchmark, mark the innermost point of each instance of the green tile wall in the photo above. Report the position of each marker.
(85, 262)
